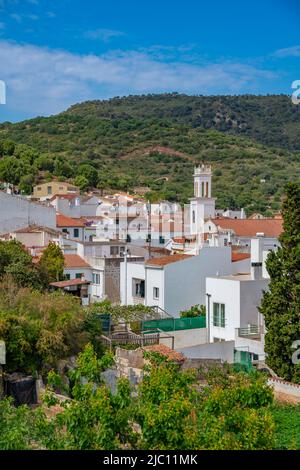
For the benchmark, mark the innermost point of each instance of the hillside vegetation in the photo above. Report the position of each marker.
(156, 140)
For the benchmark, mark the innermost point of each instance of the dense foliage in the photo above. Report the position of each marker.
(287, 425)
(39, 328)
(155, 141)
(194, 311)
(170, 411)
(16, 262)
(281, 303)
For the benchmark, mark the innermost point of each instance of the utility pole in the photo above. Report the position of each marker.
(208, 317)
(125, 270)
(149, 227)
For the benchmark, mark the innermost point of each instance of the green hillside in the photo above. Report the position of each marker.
(155, 141)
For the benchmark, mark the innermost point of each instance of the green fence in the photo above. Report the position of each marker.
(242, 360)
(175, 324)
(105, 320)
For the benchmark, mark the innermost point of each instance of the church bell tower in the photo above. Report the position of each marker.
(202, 205)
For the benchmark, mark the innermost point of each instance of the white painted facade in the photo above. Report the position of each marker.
(17, 212)
(241, 296)
(180, 284)
(76, 207)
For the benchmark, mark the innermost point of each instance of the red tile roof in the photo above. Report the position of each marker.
(250, 227)
(164, 350)
(235, 256)
(75, 261)
(70, 282)
(63, 196)
(65, 221)
(166, 260)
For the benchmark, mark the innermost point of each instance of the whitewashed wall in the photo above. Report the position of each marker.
(17, 212)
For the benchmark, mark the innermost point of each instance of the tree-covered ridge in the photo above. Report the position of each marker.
(113, 144)
(273, 119)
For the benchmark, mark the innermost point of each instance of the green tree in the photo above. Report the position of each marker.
(52, 262)
(90, 173)
(94, 418)
(281, 302)
(40, 328)
(7, 147)
(17, 262)
(82, 182)
(16, 426)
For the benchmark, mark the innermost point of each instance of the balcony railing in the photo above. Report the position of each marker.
(250, 331)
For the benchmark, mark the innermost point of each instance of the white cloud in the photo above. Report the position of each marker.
(103, 34)
(44, 81)
(293, 51)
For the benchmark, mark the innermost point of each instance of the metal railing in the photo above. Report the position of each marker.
(250, 331)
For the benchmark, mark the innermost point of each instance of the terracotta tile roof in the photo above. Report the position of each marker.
(65, 221)
(250, 227)
(169, 353)
(166, 260)
(63, 196)
(70, 282)
(37, 228)
(235, 256)
(75, 261)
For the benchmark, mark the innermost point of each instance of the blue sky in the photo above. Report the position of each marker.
(54, 53)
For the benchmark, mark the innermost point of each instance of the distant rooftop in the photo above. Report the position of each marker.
(167, 260)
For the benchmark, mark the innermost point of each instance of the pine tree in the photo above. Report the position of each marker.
(281, 303)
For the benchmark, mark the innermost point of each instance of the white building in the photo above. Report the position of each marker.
(176, 282)
(239, 232)
(17, 212)
(232, 303)
(75, 228)
(77, 268)
(74, 205)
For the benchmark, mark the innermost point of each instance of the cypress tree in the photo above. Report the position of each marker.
(281, 303)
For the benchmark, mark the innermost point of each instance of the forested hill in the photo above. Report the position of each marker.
(155, 140)
(272, 120)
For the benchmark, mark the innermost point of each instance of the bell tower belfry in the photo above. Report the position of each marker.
(202, 206)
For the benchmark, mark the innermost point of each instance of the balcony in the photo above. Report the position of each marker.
(250, 332)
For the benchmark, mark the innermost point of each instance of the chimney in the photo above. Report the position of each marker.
(256, 257)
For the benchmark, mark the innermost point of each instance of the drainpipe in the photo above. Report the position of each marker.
(208, 317)
(125, 269)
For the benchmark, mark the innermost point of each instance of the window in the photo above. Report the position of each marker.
(65, 230)
(219, 315)
(76, 232)
(155, 293)
(61, 188)
(114, 250)
(39, 188)
(202, 190)
(194, 217)
(96, 278)
(68, 277)
(49, 189)
(138, 288)
(78, 275)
